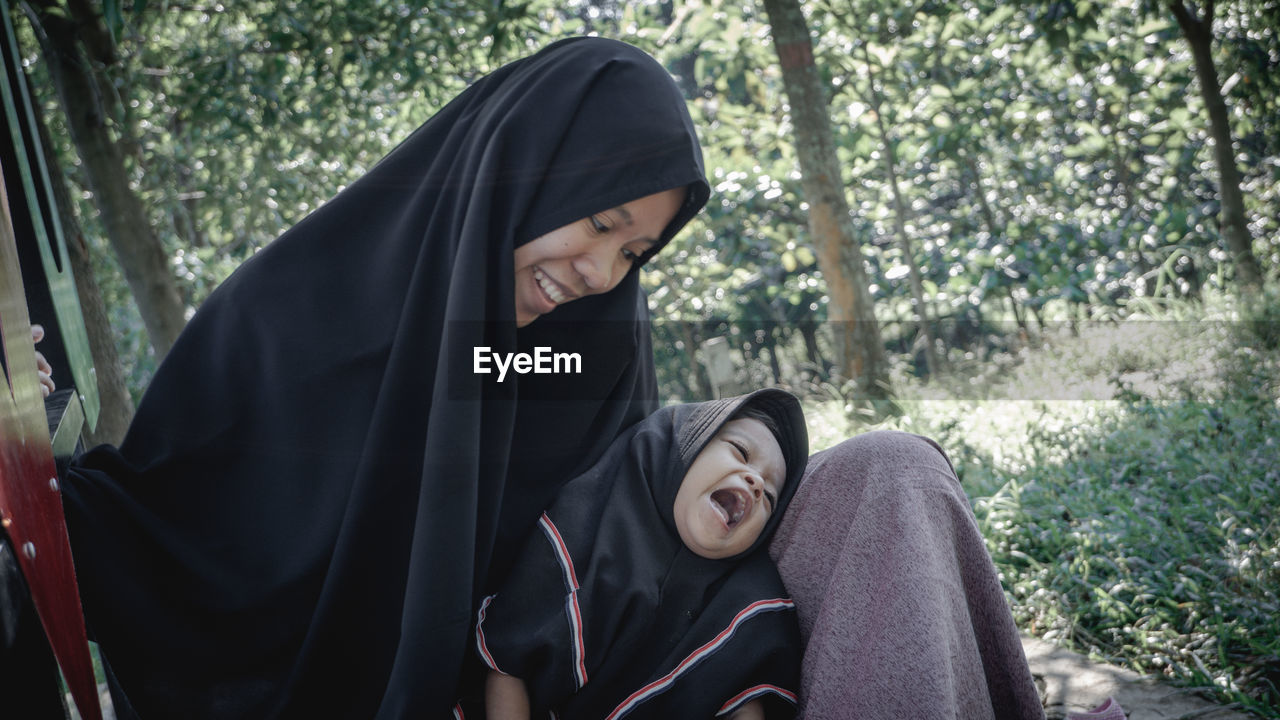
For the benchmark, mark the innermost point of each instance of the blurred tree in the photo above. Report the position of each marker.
(115, 404)
(1197, 28)
(1041, 168)
(860, 350)
(873, 98)
(80, 55)
(1064, 22)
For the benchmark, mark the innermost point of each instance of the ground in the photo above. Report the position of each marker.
(1071, 682)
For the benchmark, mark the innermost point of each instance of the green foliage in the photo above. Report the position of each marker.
(1039, 169)
(1055, 167)
(1153, 542)
(113, 16)
(1262, 319)
(1138, 526)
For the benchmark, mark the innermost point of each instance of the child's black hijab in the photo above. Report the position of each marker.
(645, 601)
(306, 507)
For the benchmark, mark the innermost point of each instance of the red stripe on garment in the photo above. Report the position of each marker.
(562, 552)
(480, 644)
(661, 684)
(752, 693)
(572, 608)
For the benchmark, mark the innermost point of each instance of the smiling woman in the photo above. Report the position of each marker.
(590, 256)
(317, 488)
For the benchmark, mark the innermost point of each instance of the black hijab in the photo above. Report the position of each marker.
(307, 505)
(608, 614)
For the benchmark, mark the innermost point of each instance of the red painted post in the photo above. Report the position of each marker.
(30, 500)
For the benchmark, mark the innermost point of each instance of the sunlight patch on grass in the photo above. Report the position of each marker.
(1126, 479)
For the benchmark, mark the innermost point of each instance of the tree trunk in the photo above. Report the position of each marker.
(116, 405)
(1024, 332)
(681, 67)
(995, 228)
(809, 331)
(1038, 314)
(890, 157)
(860, 353)
(700, 384)
(67, 44)
(770, 344)
(1234, 228)
(186, 209)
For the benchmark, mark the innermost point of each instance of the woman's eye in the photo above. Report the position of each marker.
(598, 225)
(630, 256)
(742, 451)
(773, 500)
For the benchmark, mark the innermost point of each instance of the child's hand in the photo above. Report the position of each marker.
(753, 710)
(43, 368)
(506, 697)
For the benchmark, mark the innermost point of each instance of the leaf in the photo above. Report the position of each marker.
(732, 34)
(1154, 25)
(998, 18)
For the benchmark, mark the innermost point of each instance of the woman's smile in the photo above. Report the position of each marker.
(555, 292)
(589, 256)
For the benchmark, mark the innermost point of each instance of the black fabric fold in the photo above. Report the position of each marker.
(307, 506)
(607, 614)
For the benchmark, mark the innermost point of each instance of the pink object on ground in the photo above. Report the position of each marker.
(1108, 710)
(900, 606)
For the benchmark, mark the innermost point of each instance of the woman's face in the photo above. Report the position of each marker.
(590, 256)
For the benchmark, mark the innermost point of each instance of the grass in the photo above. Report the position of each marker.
(1127, 480)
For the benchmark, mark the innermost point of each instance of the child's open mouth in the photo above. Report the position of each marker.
(732, 503)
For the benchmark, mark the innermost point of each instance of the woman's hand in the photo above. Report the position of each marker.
(43, 368)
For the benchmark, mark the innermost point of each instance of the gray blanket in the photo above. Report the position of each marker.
(900, 606)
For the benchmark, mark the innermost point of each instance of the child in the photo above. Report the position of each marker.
(646, 590)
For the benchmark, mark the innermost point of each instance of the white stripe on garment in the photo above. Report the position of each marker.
(480, 644)
(752, 693)
(572, 610)
(663, 683)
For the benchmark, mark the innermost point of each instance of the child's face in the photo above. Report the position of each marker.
(730, 490)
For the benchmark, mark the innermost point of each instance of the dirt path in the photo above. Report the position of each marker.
(1073, 683)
